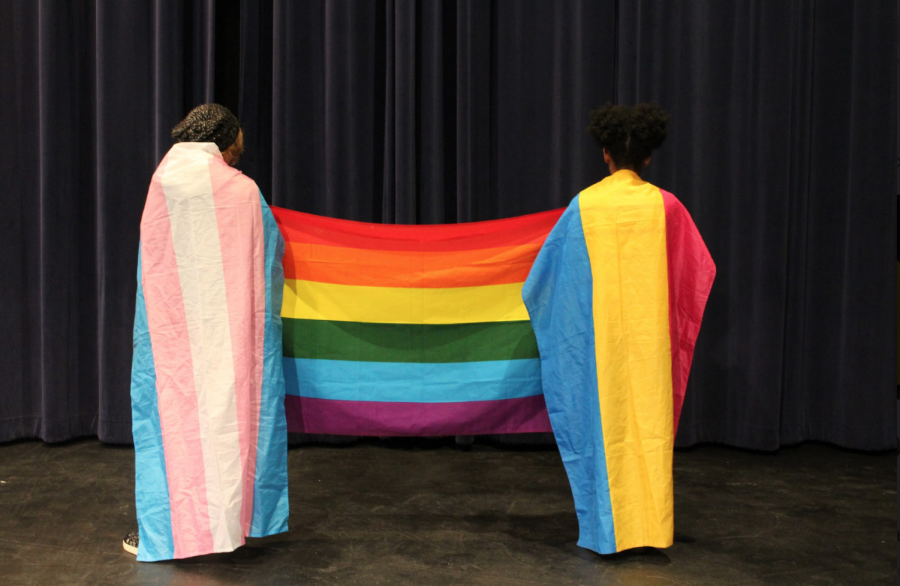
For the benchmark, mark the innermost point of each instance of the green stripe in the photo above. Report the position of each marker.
(373, 342)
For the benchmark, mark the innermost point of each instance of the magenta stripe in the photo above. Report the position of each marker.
(525, 415)
(239, 219)
(691, 272)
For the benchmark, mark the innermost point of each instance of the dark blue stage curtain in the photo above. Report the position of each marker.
(424, 112)
(90, 92)
(781, 146)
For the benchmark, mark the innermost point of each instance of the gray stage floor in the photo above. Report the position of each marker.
(425, 512)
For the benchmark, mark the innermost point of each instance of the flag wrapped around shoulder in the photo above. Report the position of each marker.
(616, 297)
(207, 386)
(410, 330)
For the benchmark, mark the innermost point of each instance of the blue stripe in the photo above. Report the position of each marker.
(151, 488)
(270, 490)
(559, 296)
(413, 382)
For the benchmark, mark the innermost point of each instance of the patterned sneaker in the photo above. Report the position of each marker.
(130, 543)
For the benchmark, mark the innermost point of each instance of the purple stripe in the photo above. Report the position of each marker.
(525, 415)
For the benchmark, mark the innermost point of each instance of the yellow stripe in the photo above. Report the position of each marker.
(625, 231)
(403, 305)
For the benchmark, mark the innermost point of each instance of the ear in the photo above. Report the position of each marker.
(606, 158)
(647, 160)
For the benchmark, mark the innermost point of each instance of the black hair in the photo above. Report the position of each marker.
(629, 133)
(208, 123)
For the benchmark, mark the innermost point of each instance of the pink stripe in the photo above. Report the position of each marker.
(239, 220)
(691, 274)
(526, 415)
(178, 410)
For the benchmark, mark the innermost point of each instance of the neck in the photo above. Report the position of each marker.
(613, 169)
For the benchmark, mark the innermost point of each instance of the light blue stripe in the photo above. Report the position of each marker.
(559, 296)
(151, 487)
(270, 491)
(407, 382)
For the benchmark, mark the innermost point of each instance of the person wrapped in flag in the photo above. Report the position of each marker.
(207, 385)
(616, 296)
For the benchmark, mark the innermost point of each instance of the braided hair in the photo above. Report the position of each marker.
(629, 133)
(208, 123)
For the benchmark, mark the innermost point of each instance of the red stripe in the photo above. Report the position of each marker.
(298, 227)
(525, 415)
(691, 273)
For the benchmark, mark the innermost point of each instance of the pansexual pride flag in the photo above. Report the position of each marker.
(616, 297)
(207, 389)
(410, 330)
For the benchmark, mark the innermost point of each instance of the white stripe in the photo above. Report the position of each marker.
(192, 212)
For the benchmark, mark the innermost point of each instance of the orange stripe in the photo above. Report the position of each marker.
(400, 268)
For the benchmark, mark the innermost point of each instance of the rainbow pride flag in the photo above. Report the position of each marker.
(410, 330)
(616, 297)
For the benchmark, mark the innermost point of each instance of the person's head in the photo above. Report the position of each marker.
(628, 135)
(212, 123)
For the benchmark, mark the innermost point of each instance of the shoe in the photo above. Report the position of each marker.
(130, 543)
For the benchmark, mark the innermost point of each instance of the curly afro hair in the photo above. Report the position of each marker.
(629, 133)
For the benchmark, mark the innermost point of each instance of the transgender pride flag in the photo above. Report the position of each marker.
(410, 330)
(207, 384)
